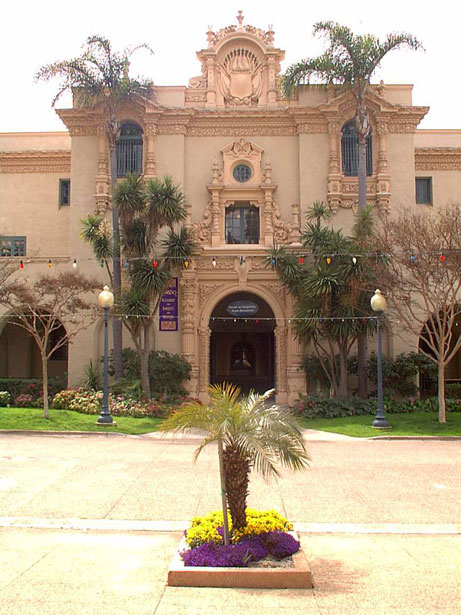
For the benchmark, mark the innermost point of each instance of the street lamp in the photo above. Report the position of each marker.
(378, 305)
(106, 301)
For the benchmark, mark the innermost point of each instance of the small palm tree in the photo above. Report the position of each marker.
(250, 436)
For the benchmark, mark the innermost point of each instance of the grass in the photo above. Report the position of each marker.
(409, 424)
(67, 420)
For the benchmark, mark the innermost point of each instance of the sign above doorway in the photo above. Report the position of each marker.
(242, 308)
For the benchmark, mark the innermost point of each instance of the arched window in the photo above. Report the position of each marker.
(129, 150)
(350, 150)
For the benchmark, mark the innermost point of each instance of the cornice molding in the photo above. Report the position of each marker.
(288, 121)
(47, 161)
(438, 159)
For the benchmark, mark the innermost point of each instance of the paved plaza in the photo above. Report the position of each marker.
(89, 524)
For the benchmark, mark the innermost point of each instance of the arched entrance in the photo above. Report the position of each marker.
(20, 356)
(242, 348)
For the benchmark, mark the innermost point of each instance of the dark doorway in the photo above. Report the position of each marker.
(242, 343)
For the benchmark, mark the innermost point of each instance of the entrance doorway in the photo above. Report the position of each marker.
(242, 347)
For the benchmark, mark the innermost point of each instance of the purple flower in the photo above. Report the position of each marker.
(250, 549)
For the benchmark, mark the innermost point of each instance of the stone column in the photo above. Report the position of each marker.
(296, 376)
(280, 333)
(102, 183)
(149, 160)
(188, 285)
(383, 179)
(334, 169)
(204, 356)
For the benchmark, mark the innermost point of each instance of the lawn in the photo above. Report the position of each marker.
(67, 420)
(409, 424)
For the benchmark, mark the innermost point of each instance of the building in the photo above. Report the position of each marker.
(250, 163)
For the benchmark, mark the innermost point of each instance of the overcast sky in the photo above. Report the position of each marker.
(37, 33)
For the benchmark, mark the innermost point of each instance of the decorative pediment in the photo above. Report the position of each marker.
(240, 68)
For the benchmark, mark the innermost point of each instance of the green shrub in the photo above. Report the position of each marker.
(167, 372)
(4, 398)
(321, 407)
(127, 387)
(399, 373)
(453, 390)
(31, 386)
(91, 378)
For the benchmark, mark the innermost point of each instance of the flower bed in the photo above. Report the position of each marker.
(90, 402)
(203, 559)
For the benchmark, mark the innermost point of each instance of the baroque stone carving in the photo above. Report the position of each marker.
(240, 77)
(207, 289)
(47, 161)
(202, 230)
(438, 159)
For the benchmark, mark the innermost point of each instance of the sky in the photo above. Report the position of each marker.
(34, 34)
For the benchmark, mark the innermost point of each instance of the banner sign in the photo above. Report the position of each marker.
(242, 308)
(168, 309)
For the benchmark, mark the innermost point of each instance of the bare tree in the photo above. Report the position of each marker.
(422, 278)
(43, 307)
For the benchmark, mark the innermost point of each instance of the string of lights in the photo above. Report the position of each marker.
(441, 256)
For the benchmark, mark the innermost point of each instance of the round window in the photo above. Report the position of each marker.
(242, 173)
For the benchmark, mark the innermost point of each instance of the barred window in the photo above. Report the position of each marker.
(129, 150)
(64, 192)
(242, 223)
(350, 151)
(424, 190)
(12, 246)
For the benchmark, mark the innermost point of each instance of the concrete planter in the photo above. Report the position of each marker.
(299, 576)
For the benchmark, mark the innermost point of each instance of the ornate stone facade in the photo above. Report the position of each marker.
(229, 116)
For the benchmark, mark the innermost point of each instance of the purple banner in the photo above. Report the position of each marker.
(168, 310)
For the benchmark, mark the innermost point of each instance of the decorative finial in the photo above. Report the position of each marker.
(240, 18)
(270, 34)
(210, 35)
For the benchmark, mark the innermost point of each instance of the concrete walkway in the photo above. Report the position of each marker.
(88, 525)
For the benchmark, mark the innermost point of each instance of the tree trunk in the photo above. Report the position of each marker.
(342, 387)
(362, 365)
(362, 172)
(363, 126)
(144, 363)
(237, 476)
(441, 391)
(117, 335)
(223, 492)
(46, 413)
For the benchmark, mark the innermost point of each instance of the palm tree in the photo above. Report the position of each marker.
(350, 60)
(250, 436)
(330, 289)
(99, 79)
(145, 210)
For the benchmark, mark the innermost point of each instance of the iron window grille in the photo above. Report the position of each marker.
(350, 151)
(424, 190)
(242, 173)
(12, 246)
(242, 224)
(64, 192)
(129, 150)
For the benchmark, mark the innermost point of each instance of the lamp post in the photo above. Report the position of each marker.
(106, 301)
(378, 305)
